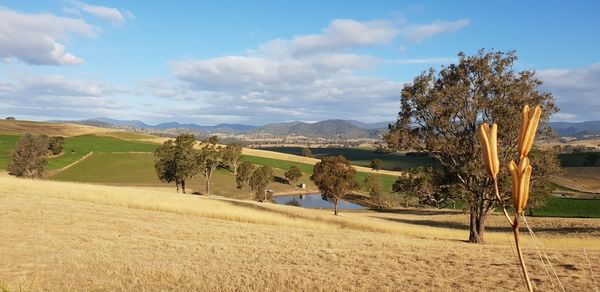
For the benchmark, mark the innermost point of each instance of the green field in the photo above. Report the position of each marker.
(77, 147)
(575, 159)
(7, 143)
(559, 207)
(387, 180)
(362, 157)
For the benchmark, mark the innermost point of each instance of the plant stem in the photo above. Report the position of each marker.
(515, 228)
(501, 201)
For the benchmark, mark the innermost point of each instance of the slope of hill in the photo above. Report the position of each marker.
(50, 129)
(566, 129)
(329, 128)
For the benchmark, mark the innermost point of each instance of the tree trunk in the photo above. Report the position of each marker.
(183, 186)
(207, 185)
(478, 215)
(177, 185)
(335, 211)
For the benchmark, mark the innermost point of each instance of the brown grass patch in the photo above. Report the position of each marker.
(50, 129)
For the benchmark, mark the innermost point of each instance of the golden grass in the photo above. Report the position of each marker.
(51, 129)
(584, 179)
(66, 236)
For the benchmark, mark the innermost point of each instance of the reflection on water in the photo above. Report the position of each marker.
(313, 201)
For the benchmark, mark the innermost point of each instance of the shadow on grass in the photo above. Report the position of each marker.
(462, 226)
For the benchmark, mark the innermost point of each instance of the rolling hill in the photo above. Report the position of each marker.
(329, 128)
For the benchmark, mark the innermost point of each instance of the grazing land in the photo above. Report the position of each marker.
(362, 156)
(583, 179)
(18, 127)
(7, 143)
(67, 236)
(574, 159)
(559, 207)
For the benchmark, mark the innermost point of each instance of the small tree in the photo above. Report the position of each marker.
(232, 155)
(55, 144)
(306, 152)
(175, 161)
(209, 159)
(376, 164)
(426, 184)
(242, 178)
(29, 158)
(376, 191)
(293, 175)
(334, 176)
(259, 181)
(10, 118)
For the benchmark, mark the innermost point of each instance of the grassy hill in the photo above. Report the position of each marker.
(88, 237)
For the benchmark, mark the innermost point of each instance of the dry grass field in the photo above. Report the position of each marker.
(64, 236)
(584, 179)
(50, 129)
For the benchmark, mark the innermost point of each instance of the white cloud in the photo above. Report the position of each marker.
(112, 15)
(441, 60)
(34, 38)
(418, 33)
(577, 91)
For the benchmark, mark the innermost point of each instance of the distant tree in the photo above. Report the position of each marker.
(376, 191)
(306, 152)
(430, 187)
(440, 114)
(242, 178)
(592, 159)
(29, 158)
(259, 181)
(334, 176)
(10, 118)
(175, 161)
(211, 156)
(376, 164)
(55, 144)
(293, 175)
(232, 155)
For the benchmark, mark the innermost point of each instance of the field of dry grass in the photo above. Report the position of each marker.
(50, 129)
(67, 236)
(584, 179)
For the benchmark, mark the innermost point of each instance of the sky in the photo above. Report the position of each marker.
(256, 62)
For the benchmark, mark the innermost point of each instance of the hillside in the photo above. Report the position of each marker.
(87, 237)
(566, 129)
(330, 128)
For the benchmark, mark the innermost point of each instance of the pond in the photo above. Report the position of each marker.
(313, 201)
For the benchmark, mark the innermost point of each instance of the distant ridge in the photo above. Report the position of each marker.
(566, 129)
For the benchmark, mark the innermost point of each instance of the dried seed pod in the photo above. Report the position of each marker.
(489, 148)
(531, 119)
(521, 176)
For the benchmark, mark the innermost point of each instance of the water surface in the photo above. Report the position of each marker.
(313, 201)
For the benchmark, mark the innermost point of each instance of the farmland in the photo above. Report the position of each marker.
(362, 157)
(87, 237)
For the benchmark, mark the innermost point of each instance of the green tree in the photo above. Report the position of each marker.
(592, 159)
(429, 186)
(259, 181)
(376, 164)
(232, 155)
(174, 161)
(55, 144)
(293, 175)
(334, 176)
(375, 188)
(30, 157)
(211, 156)
(440, 113)
(242, 178)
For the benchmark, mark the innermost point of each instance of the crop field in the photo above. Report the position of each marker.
(362, 157)
(88, 237)
(562, 207)
(575, 159)
(583, 179)
(18, 127)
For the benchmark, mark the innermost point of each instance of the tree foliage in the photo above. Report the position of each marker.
(431, 187)
(376, 191)
(175, 161)
(242, 178)
(30, 157)
(376, 164)
(210, 157)
(334, 176)
(293, 174)
(232, 155)
(259, 181)
(55, 144)
(306, 152)
(441, 112)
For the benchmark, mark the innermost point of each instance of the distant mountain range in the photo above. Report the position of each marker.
(566, 129)
(343, 129)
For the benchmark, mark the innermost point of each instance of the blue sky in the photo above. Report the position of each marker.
(266, 61)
